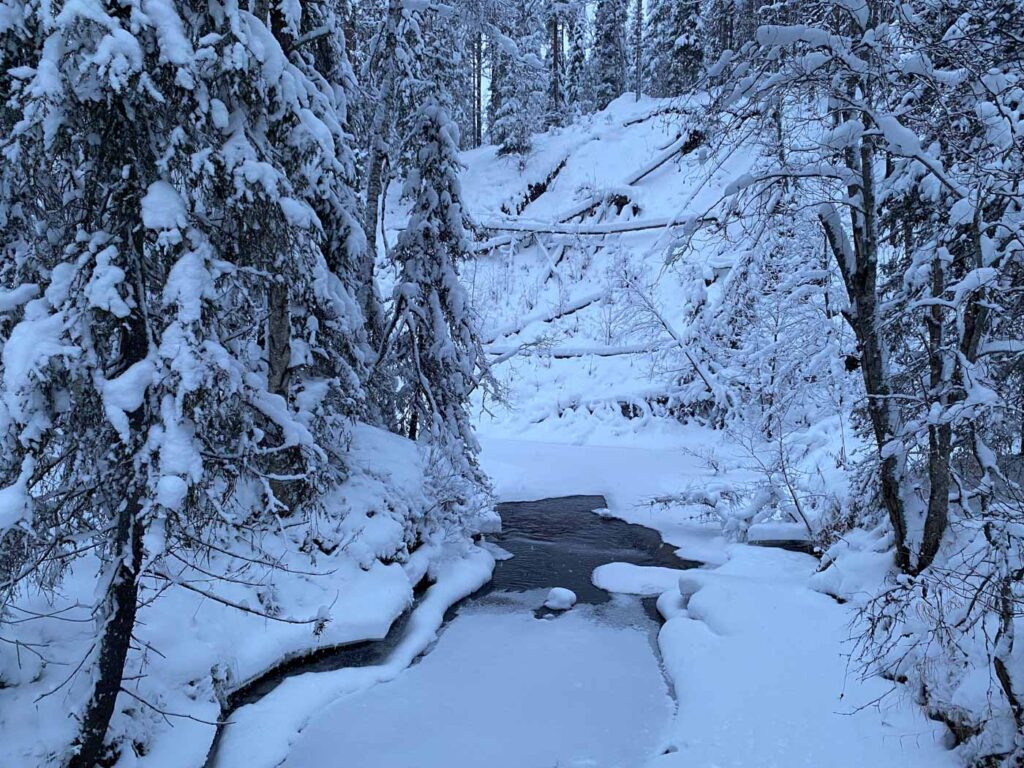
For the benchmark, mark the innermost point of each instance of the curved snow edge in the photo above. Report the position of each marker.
(260, 735)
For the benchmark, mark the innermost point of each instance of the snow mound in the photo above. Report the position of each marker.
(756, 625)
(629, 579)
(560, 599)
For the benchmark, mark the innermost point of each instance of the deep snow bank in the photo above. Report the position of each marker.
(262, 734)
(343, 577)
(762, 674)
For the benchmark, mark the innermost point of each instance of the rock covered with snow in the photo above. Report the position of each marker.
(560, 599)
(630, 579)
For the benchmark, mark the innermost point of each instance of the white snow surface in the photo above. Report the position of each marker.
(762, 676)
(629, 579)
(503, 689)
(758, 658)
(162, 207)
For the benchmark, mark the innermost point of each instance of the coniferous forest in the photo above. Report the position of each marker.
(302, 301)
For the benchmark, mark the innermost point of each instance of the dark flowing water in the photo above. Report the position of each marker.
(554, 542)
(559, 542)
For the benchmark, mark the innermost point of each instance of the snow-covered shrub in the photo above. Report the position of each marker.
(760, 350)
(950, 633)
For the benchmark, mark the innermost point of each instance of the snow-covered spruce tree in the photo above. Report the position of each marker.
(675, 47)
(326, 179)
(577, 82)
(408, 56)
(453, 31)
(20, 192)
(187, 349)
(656, 62)
(474, 18)
(555, 113)
(521, 92)
(688, 61)
(433, 343)
(609, 58)
(19, 46)
(728, 25)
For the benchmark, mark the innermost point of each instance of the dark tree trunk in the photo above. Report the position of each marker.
(121, 600)
(279, 338)
(555, 89)
(478, 95)
(975, 322)
(937, 520)
(940, 436)
(638, 49)
(858, 263)
(367, 295)
(120, 604)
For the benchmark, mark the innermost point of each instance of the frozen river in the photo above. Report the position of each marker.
(511, 686)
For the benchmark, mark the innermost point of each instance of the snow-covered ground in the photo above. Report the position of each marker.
(760, 665)
(263, 733)
(200, 650)
(758, 658)
(506, 690)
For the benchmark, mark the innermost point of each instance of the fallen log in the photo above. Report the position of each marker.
(564, 353)
(595, 230)
(684, 145)
(534, 191)
(547, 317)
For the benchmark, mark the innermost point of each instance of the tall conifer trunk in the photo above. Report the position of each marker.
(118, 609)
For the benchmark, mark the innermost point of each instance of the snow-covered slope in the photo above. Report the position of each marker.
(602, 258)
(759, 658)
(569, 346)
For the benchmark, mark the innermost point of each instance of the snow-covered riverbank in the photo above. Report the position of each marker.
(758, 658)
(262, 734)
